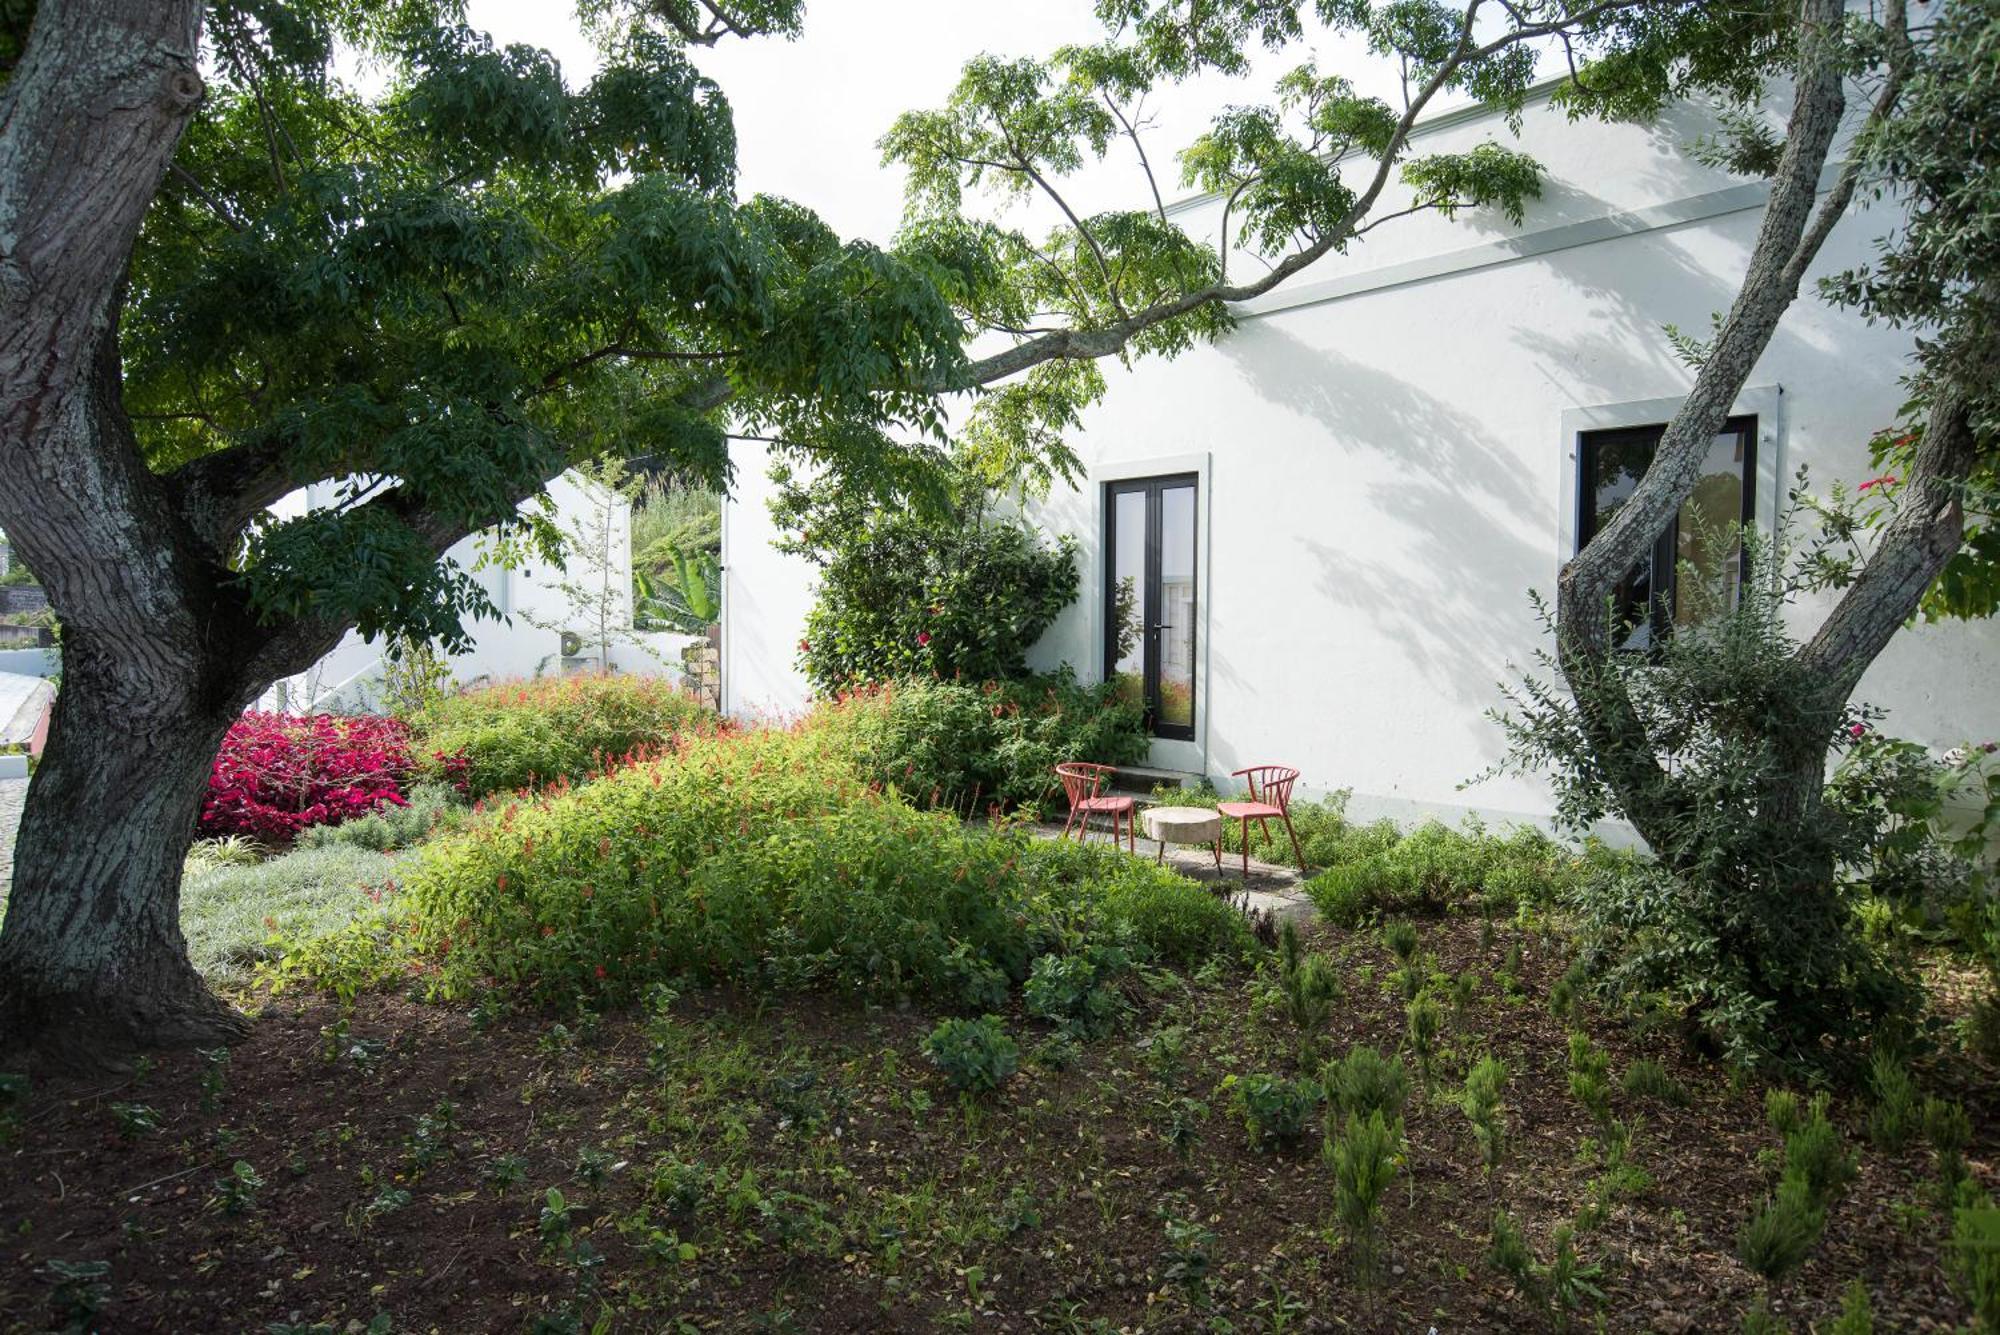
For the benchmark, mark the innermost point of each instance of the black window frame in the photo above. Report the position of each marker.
(1150, 595)
(1665, 583)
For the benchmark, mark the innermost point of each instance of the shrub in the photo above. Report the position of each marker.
(1975, 1246)
(1483, 1108)
(1364, 1082)
(912, 592)
(976, 1056)
(278, 774)
(974, 746)
(1647, 1079)
(763, 860)
(1078, 992)
(1275, 1111)
(517, 735)
(1779, 1238)
(1434, 869)
(1898, 1112)
(1363, 1160)
(430, 809)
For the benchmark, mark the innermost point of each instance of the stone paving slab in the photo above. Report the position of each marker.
(1268, 888)
(13, 792)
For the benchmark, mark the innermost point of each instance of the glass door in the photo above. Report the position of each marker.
(1149, 598)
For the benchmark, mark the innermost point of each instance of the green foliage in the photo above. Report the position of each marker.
(765, 860)
(1078, 992)
(1975, 1242)
(1857, 1315)
(972, 747)
(1365, 1082)
(517, 735)
(1310, 985)
(1758, 1319)
(1780, 1236)
(1647, 1079)
(430, 809)
(1939, 152)
(1481, 1103)
(1435, 869)
(1781, 1111)
(1590, 1076)
(1423, 1021)
(1563, 1283)
(912, 591)
(976, 1056)
(1743, 925)
(1897, 1116)
(1363, 1160)
(1817, 1169)
(1949, 1131)
(1275, 1111)
(233, 916)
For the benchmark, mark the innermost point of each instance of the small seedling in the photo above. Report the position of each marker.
(236, 1191)
(214, 1076)
(1590, 1076)
(508, 1170)
(80, 1291)
(1363, 1160)
(1647, 1079)
(1364, 1081)
(975, 1056)
(1275, 1111)
(1483, 1108)
(1949, 1131)
(134, 1120)
(1898, 1112)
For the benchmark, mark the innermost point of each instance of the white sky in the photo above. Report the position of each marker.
(809, 112)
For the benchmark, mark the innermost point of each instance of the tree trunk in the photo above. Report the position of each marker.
(92, 960)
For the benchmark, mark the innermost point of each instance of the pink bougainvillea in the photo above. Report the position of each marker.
(277, 774)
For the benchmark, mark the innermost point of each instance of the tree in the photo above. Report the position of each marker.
(1717, 750)
(226, 275)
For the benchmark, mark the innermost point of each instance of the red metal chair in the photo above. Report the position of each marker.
(1082, 784)
(1270, 795)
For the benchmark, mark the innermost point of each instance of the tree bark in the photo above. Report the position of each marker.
(1785, 248)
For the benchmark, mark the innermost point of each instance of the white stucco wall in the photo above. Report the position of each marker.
(512, 646)
(1384, 451)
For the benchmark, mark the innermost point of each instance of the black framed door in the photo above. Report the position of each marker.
(1150, 599)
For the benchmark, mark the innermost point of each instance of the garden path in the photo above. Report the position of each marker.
(13, 792)
(1269, 888)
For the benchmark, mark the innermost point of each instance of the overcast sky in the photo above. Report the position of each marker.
(809, 112)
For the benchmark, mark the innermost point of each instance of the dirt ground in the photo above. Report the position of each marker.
(731, 1164)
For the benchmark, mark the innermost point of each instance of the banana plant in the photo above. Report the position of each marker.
(691, 602)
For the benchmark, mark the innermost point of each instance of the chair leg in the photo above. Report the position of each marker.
(1296, 851)
(1246, 848)
(1132, 833)
(1264, 824)
(1071, 820)
(1218, 855)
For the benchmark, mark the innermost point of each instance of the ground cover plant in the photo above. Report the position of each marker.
(280, 774)
(722, 1160)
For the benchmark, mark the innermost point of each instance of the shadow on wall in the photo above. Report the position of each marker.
(1459, 496)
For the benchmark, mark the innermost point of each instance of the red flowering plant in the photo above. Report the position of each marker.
(278, 774)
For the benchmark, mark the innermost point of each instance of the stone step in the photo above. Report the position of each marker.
(1141, 780)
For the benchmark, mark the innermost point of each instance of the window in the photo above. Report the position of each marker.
(1149, 598)
(1705, 537)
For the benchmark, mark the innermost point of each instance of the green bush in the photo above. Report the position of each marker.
(432, 809)
(916, 592)
(1275, 1111)
(518, 735)
(973, 746)
(1078, 992)
(1364, 1082)
(976, 1056)
(1436, 869)
(765, 861)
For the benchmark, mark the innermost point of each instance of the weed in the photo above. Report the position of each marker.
(508, 1170)
(1182, 1119)
(236, 1191)
(80, 1291)
(134, 1120)
(214, 1076)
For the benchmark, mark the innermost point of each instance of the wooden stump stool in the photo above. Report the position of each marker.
(1184, 825)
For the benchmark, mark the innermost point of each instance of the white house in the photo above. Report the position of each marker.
(1351, 496)
(528, 639)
